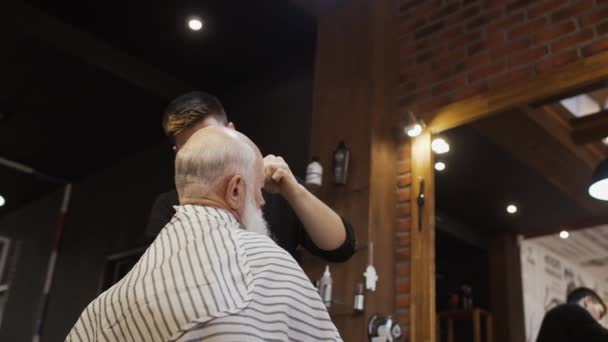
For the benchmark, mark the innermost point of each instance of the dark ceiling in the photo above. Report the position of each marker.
(481, 179)
(70, 116)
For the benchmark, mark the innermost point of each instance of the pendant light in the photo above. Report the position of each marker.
(599, 182)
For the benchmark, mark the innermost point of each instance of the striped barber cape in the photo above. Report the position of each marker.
(205, 278)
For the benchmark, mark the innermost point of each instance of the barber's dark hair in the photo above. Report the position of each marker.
(581, 292)
(189, 109)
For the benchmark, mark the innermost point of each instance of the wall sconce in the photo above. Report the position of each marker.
(340, 160)
(412, 126)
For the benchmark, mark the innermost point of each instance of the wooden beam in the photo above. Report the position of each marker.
(539, 145)
(599, 220)
(591, 128)
(69, 40)
(567, 78)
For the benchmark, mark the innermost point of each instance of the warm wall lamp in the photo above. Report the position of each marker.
(599, 182)
(413, 126)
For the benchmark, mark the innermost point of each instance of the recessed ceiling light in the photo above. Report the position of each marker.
(564, 234)
(439, 166)
(440, 146)
(511, 209)
(605, 141)
(195, 24)
(2, 201)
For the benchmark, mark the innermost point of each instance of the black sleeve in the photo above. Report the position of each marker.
(340, 254)
(161, 213)
(586, 328)
(570, 322)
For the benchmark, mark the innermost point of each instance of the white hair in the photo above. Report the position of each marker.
(206, 160)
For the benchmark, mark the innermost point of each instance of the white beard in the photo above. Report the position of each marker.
(253, 218)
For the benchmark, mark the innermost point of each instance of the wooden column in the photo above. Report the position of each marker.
(506, 293)
(423, 311)
(354, 100)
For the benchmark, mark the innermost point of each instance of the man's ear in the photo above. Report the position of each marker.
(174, 148)
(235, 193)
(231, 125)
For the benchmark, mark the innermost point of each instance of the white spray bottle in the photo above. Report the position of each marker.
(325, 287)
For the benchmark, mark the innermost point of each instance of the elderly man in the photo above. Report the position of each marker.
(575, 321)
(212, 273)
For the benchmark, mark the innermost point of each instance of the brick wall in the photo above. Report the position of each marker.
(453, 49)
(402, 241)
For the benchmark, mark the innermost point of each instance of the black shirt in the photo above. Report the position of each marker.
(570, 323)
(285, 227)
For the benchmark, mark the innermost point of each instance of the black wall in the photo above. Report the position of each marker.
(109, 210)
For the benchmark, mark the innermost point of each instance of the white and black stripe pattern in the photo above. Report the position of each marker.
(205, 278)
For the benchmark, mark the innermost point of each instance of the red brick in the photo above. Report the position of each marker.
(446, 87)
(476, 47)
(478, 60)
(602, 2)
(594, 48)
(404, 166)
(554, 31)
(529, 56)
(544, 7)
(495, 39)
(402, 301)
(449, 58)
(404, 225)
(512, 76)
(433, 78)
(469, 91)
(515, 5)
(561, 59)
(502, 24)
(405, 154)
(580, 6)
(403, 254)
(483, 20)
(403, 195)
(404, 319)
(511, 48)
(444, 11)
(602, 28)
(578, 38)
(451, 33)
(402, 286)
(527, 29)
(486, 72)
(593, 17)
(403, 181)
(403, 240)
(466, 39)
(404, 210)
(403, 269)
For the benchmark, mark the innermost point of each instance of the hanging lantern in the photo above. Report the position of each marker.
(341, 159)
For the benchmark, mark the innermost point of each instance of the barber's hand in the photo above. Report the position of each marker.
(279, 178)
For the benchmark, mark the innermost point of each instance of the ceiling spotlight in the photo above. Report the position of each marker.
(412, 126)
(2, 201)
(440, 146)
(439, 166)
(195, 24)
(511, 209)
(599, 182)
(605, 141)
(564, 234)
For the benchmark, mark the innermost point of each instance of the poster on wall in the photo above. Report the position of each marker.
(547, 278)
